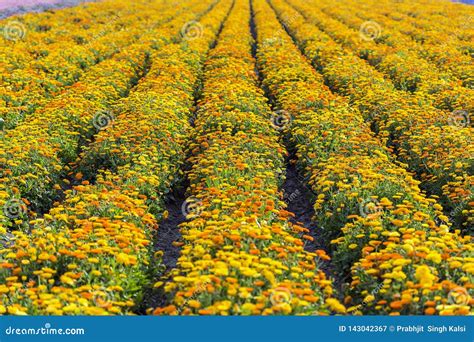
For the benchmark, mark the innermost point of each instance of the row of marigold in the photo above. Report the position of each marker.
(381, 226)
(401, 65)
(429, 141)
(445, 61)
(240, 255)
(38, 69)
(453, 21)
(36, 156)
(93, 253)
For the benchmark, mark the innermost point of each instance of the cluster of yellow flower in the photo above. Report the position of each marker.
(394, 57)
(435, 25)
(240, 253)
(85, 256)
(385, 226)
(435, 144)
(96, 135)
(444, 50)
(34, 156)
(41, 62)
(91, 253)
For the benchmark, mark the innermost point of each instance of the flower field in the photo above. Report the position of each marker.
(238, 157)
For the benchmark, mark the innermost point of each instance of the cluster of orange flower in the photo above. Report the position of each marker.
(436, 145)
(90, 253)
(46, 53)
(380, 222)
(99, 124)
(445, 53)
(35, 156)
(240, 254)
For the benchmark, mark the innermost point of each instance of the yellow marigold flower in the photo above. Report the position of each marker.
(122, 258)
(194, 304)
(434, 256)
(385, 202)
(179, 279)
(335, 305)
(224, 305)
(455, 264)
(248, 307)
(424, 276)
(67, 280)
(369, 298)
(269, 276)
(401, 262)
(399, 275)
